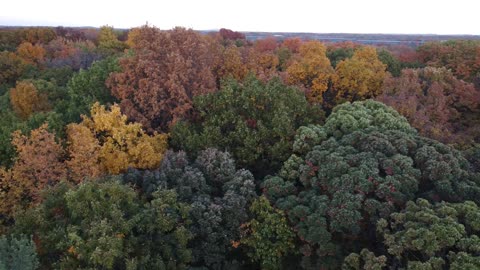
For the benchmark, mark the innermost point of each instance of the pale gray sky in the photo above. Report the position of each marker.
(334, 16)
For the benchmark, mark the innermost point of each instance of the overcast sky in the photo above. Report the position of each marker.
(334, 16)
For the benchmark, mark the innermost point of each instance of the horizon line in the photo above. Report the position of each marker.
(244, 31)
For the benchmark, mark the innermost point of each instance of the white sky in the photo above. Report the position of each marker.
(333, 16)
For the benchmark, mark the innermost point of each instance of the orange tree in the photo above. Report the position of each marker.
(311, 70)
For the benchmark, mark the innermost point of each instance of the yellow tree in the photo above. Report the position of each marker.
(32, 54)
(25, 99)
(311, 70)
(107, 39)
(134, 35)
(111, 145)
(84, 150)
(231, 63)
(360, 77)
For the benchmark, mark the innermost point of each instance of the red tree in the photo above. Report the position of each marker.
(232, 35)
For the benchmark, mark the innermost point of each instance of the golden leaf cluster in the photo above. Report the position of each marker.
(360, 77)
(312, 70)
(106, 143)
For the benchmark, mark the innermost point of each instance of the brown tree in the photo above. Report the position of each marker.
(268, 44)
(263, 63)
(8, 194)
(158, 82)
(293, 44)
(436, 103)
(26, 99)
(32, 54)
(11, 67)
(461, 56)
(36, 35)
(231, 35)
(231, 63)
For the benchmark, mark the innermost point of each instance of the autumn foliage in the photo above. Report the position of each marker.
(108, 40)
(182, 149)
(229, 34)
(435, 102)
(166, 71)
(462, 57)
(11, 67)
(32, 54)
(231, 63)
(311, 70)
(39, 164)
(107, 144)
(360, 77)
(36, 35)
(26, 99)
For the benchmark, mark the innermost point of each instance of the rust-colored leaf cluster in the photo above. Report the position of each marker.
(167, 69)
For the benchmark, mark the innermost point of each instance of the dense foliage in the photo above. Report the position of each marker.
(267, 235)
(17, 253)
(363, 164)
(177, 149)
(436, 103)
(104, 225)
(218, 196)
(106, 143)
(157, 83)
(254, 121)
(420, 236)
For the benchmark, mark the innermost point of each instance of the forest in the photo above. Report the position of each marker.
(175, 149)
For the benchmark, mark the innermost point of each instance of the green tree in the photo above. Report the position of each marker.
(104, 225)
(433, 236)
(393, 64)
(254, 121)
(108, 41)
(17, 252)
(267, 235)
(365, 163)
(11, 67)
(335, 55)
(218, 196)
(87, 87)
(365, 260)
